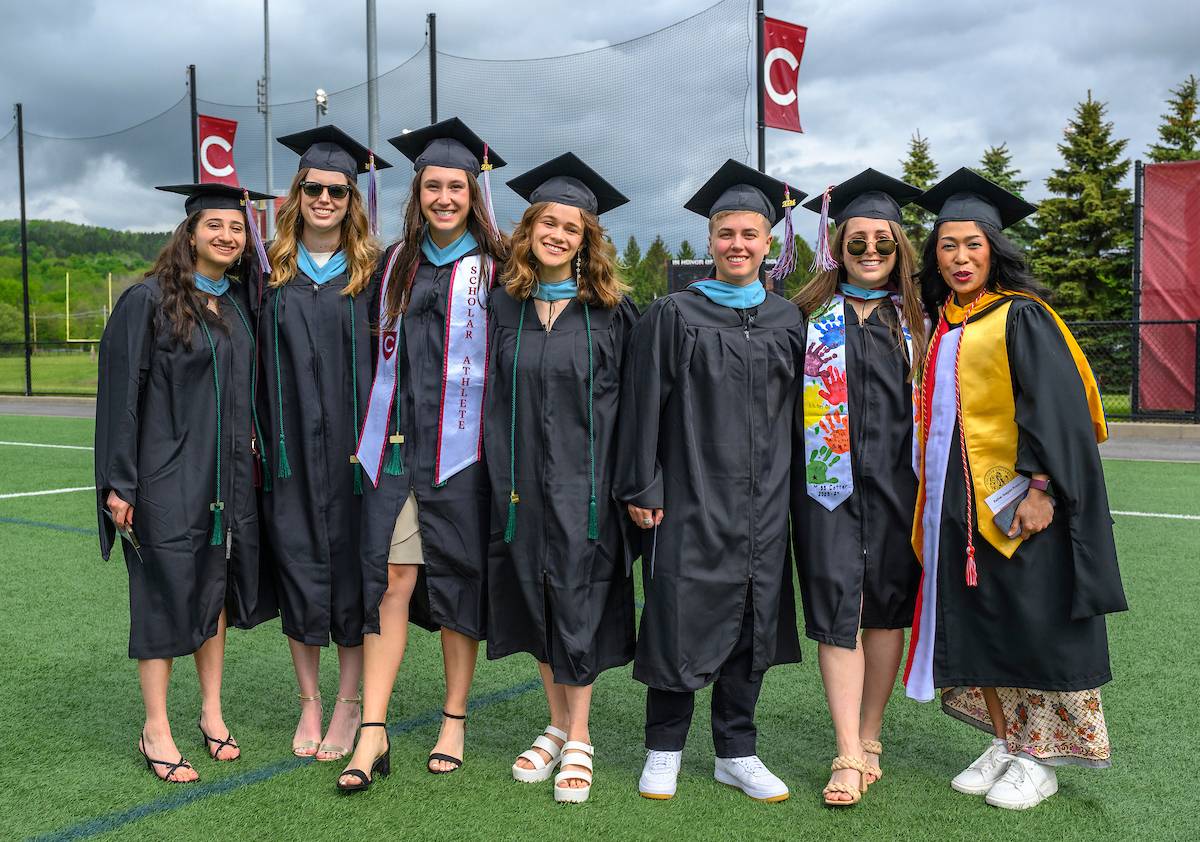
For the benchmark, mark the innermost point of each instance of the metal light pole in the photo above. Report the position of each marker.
(372, 86)
(24, 249)
(195, 124)
(322, 101)
(760, 19)
(432, 25)
(265, 108)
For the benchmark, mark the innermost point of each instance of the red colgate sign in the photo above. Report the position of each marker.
(783, 47)
(216, 150)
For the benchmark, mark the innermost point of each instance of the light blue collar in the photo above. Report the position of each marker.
(556, 292)
(860, 293)
(732, 295)
(333, 267)
(206, 284)
(445, 256)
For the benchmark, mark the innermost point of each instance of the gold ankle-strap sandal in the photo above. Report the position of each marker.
(876, 748)
(841, 762)
(308, 748)
(337, 752)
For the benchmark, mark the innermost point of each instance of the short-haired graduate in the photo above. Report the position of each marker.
(425, 521)
(854, 483)
(316, 359)
(1012, 522)
(709, 389)
(559, 584)
(175, 435)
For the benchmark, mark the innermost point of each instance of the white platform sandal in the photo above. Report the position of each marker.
(542, 768)
(574, 753)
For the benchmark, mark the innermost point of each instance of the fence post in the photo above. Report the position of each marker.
(24, 249)
(1135, 384)
(1196, 375)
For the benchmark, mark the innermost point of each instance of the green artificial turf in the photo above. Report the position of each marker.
(70, 713)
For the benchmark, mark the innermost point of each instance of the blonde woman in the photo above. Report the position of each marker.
(315, 363)
(558, 583)
(853, 481)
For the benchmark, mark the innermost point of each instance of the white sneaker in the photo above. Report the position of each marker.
(988, 768)
(660, 774)
(750, 776)
(1026, 784)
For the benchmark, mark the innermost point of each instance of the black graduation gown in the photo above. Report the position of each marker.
(553, 593)
(1036, 620)
(453, 518)
(705, 434)
(312, 517)
(860, 553)
(156, 447)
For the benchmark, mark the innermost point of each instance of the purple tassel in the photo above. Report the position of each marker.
(486, 171)
(787, 256)
(254, 233)
(823, 260)
(372, 197)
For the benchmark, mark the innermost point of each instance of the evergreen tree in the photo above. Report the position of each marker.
(1084, 251)
(996, 165)
(686, 252)
(651, 279)
(1179, 132)
(919, 170)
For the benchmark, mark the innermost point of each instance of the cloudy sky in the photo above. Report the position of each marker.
(966, 74)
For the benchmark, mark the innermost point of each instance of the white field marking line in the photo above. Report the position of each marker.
(43, 493)
(1157, 514)
(39, 444)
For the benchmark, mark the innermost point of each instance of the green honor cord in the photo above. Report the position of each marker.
(354, 464)
(262, 447)
(217, 506)
(285, 469)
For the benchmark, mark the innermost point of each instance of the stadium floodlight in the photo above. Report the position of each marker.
(322, 100)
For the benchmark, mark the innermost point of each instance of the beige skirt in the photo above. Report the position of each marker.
(406, 537)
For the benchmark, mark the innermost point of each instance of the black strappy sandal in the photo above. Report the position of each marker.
(171, 767)
(437, 755)
(228, 741)
(381, 767)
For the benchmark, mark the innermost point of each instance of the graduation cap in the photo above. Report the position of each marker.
(869, 194)
(568, 181)
(224, 197)
(331, 149)
(451, 143)
(737, 187)
(966, 196)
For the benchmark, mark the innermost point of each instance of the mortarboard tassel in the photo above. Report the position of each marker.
(822, 259)
(372, 196)
(263, 264)
(486, 181)
(787, 257)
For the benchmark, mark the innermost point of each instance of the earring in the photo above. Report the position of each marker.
(578, 265)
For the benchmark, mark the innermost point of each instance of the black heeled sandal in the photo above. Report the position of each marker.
(381, 767)
(171, 767)
(437, 755)
(228, 741)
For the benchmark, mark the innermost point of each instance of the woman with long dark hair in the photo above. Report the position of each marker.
(175, 434)
(316, 363)
(425, 519)
(1012, 521)
(853, 480)
(559, 584)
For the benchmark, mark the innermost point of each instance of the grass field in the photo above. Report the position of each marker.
(70, 373)
(70, 713)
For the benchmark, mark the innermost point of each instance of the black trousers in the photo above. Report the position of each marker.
(734, 697)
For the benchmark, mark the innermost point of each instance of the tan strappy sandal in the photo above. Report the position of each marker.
(307, 748)
(876, 748)
(338, 752)
(841, 762)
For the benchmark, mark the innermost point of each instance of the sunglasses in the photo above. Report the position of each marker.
(859, 247)
(314, 189)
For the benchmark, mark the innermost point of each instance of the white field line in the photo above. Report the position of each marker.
(43, 493)
(38, 444)
(1158, 514)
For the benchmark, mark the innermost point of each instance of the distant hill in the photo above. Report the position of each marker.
(89, 253)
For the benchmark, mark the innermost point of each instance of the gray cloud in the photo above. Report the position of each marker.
(967, 74)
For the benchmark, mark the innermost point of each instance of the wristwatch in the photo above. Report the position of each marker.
(1040, 484)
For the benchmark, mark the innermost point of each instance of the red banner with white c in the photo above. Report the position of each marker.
(783, 48)
(216, 136)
